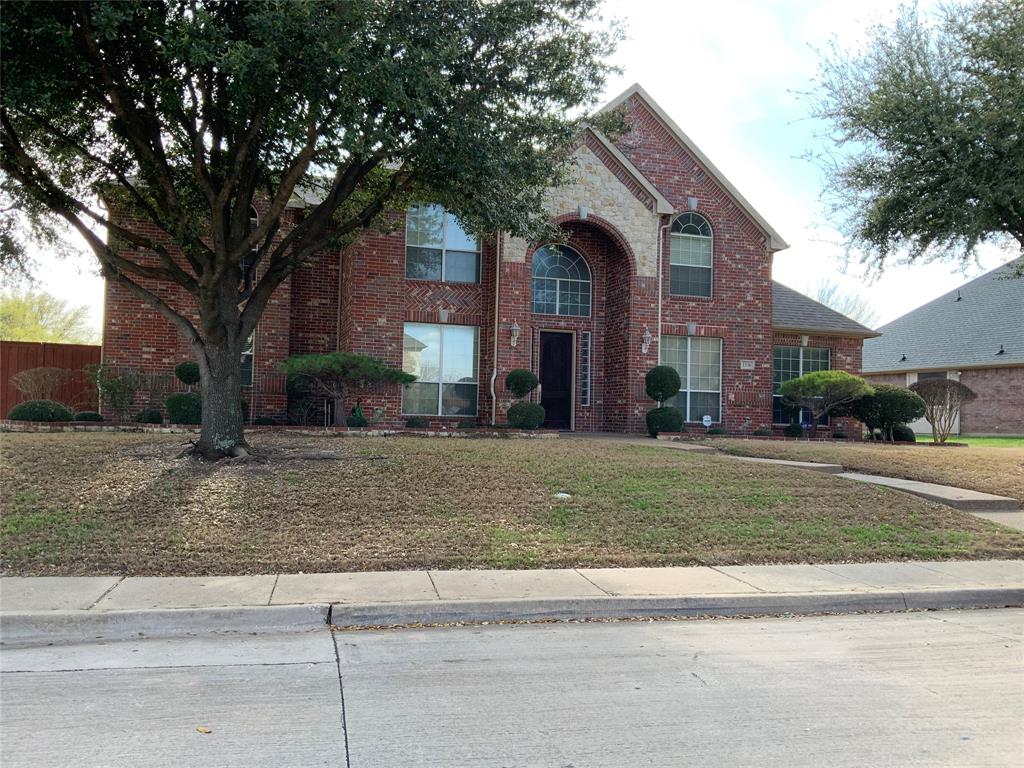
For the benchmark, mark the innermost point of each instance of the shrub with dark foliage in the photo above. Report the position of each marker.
(149, 416)
(662, 382)
(264, 421)
(521, 382)
(184, 408)
(41, 410)
(524, 415)
(88, 416)
(187, 372)
(665, 419)
(901, 433)
(793, 430)
(417, 422)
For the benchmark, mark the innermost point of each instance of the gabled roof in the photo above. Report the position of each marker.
(775, 241)
(963, 328)
(792, 311)
(661, 204)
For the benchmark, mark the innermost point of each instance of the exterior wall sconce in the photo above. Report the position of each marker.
(514, 331)
(645, 340)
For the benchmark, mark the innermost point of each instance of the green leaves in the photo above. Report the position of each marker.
(929, 118)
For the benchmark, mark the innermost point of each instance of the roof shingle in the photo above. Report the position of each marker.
(792, 311)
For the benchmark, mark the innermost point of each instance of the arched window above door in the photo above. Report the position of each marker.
(561, 282)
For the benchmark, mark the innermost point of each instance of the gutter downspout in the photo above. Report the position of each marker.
(497, 326)
(661, 278)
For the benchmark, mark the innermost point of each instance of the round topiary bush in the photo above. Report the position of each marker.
(355, 420)
(417, 422)
(662, 382)
(184, 408)
(665, 419)
(521, 382)
(901, 433)
(88, 416)
(525, 415)
(41, 410)
(149, 416)
(793, 430)
(187, 372)
(264, 421)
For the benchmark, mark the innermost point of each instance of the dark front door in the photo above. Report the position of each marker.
(556, 379)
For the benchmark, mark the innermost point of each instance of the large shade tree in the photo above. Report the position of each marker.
(928, 117)
(185, 112)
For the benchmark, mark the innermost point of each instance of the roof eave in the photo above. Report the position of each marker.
(775, 240)
(849, 334)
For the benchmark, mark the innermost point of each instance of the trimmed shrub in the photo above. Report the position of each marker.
(88, 416)
(524, 415)
(662, 382)
(793, 430)
(184, 408)
(901, 433)
(356, 420)
(521, 382)
(264, 421)
(716, 431)
(839, 435)
(41, 410)
(149, 416)
(187, 372)
(762, 432)
(417, 422)
(665, 419)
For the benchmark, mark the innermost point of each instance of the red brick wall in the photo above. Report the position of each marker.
(999, 408)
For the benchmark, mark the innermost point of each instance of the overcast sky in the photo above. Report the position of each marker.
(729, 74)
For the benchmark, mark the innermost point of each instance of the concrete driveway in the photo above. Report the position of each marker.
(913, 689)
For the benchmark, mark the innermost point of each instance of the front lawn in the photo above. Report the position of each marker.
(98, 503)
(982, 466)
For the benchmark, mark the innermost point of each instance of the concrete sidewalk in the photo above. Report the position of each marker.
(109, 606)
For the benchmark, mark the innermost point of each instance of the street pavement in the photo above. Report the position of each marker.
(909, 689)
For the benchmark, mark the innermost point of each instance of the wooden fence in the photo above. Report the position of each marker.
(76, 392)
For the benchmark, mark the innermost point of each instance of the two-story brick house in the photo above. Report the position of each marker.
(663, 260)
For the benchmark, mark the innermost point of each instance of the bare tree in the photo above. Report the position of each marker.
(943, 399)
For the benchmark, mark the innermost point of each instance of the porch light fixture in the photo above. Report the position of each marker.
(645, 340)
(513, 338)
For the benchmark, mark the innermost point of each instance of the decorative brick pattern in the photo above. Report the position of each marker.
(359, 299)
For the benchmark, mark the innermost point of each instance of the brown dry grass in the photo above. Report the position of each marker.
(998, 470)
(122, 503)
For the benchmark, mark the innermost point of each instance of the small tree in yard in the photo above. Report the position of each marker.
(181, 115)
(40, 383)
(886, 409)
(943, 399)
(335, 373)
(662, 382)
(823, 392)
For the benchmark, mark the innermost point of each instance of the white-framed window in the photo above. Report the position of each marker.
(561, 282)
(245, 367)
(792, 363)
(438, 248)
(585, 356)
(247, 275)
(444, 360)
(698, 361)
(690, 256)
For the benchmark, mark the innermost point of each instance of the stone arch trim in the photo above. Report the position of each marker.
(606, 228)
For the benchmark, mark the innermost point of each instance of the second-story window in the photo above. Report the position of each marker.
(690, 256)
(438, 248)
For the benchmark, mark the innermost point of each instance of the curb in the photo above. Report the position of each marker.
(63, 627)
(88, 626)
(353, 616)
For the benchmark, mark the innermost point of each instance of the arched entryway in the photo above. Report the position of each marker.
(580, 318)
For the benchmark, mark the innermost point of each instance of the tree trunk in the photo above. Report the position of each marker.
(222, 427)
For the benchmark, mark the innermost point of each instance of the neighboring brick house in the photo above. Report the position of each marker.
(662, 259)
(974, 334)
